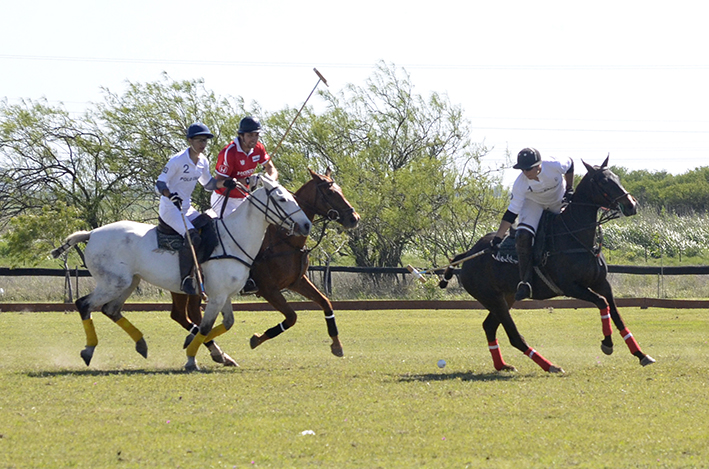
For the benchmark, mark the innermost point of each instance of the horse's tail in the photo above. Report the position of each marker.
(71, 240)
(448, 273)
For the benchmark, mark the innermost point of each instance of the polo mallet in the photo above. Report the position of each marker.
(419, 273)
(194, 259)
(320, 79)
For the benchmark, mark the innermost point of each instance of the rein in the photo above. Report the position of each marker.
(607, 215)
(268, 211)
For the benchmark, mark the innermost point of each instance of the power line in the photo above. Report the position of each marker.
(360, 65)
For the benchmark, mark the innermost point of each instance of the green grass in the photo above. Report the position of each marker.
(385, 404)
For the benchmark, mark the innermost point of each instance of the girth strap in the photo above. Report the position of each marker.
(549, 283)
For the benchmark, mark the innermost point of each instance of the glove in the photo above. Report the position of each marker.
(495, 243)
(177, 200)
(229, 183)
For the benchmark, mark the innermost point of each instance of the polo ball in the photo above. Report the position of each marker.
(441, 363)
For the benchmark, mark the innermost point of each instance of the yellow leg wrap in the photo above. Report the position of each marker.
(125, 324)
(216, 332)
(194, 345)
(91, 338)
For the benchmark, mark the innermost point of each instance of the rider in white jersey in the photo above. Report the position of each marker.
(543, 185)
(176, 184)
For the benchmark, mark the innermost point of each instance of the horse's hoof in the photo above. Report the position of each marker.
(336, 347)
(142, 347)
(188, 341)
(217, 356)
(255, 341)
(191, 367)
(647, 360)
(228, 361)
(337, 350)
(556, 369)
(87, 354)
(606, 349)
(507, 367)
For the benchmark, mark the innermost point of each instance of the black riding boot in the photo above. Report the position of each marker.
(523, 243)
(188, 284)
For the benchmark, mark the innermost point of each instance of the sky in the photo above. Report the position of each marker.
(580, 79)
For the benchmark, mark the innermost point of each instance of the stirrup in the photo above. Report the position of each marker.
(250, 287)
(189, 286)
(524, 290)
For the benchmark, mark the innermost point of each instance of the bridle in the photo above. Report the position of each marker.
(272, 212)
(332, 212)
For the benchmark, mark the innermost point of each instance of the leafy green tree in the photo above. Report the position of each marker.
(404, 161)
(33, 235)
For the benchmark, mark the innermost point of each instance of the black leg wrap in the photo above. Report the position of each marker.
(276, 330)
(331, 326)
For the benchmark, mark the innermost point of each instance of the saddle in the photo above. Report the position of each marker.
(540, 250)
(508, 252)
(170, 240)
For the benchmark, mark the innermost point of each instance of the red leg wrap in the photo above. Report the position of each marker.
(606, 321)
(538, 359)
(496, 355)
(630, 340)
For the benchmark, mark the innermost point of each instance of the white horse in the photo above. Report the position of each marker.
(120, 254)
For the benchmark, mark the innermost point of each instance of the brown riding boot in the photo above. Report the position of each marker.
(523, 244)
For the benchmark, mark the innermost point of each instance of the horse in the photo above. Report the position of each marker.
(282, 263)
(572, 265)
(120, 254)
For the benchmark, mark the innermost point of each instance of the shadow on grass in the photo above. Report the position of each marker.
(463, 376)
(87, 372)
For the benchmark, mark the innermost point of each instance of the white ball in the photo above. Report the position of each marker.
(441, 363)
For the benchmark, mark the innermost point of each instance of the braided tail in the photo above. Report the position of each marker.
(72, 240)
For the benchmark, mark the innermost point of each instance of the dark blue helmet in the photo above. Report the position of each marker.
(528, 158)
(198, 129)
(249, 124)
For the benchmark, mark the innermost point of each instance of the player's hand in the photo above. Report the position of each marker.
(177, 200)
(495, 243)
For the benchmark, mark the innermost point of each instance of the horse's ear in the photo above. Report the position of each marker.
(589, 168)
(605, 163)
(312, 173)
(328, 172)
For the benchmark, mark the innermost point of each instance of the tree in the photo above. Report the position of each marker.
(406, 162)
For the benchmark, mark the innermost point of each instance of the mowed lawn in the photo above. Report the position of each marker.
(384, 405)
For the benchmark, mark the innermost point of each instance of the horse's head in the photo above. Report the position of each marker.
(280, 207)
(323, 196)
(605, 190)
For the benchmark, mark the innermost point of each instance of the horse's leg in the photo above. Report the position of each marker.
(206, 331)
(278, 301)
(102, 294)
(112, 309)
(603, 305)
(490, 325)
(186, 310)
(606, 291)
(499, 308)
(306, 288)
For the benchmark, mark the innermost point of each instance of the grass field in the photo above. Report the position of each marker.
(384, 405)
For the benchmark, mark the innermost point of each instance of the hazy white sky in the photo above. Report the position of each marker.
(627, 78)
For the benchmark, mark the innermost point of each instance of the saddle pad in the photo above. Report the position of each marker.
(169, 242)
(507, 252)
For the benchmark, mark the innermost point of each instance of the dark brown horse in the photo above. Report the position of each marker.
(572, 265)
(282, 263)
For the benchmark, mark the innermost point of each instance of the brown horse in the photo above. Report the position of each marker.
(282, 263)
(571, 265)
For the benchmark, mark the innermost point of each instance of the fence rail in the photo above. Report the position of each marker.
(613, 269)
